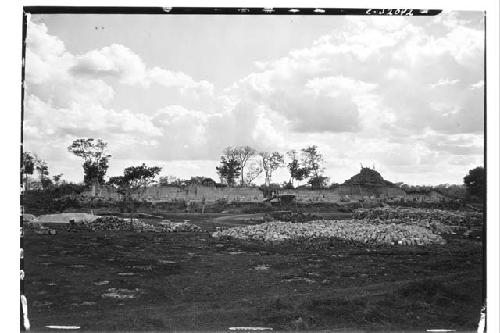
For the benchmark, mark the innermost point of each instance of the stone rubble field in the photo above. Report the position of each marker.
(422, 215)
(113, 223)
(358, 231)
(376, 226)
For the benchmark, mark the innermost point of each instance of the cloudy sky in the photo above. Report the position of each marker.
(404, 94)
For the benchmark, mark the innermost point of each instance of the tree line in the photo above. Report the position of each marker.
(238, 165)
(241, 165)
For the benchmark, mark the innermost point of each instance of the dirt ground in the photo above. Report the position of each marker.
(189, 281)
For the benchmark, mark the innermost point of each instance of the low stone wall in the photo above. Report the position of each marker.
(253, 194)
(200, 193)
(344, 192)
(305, 195)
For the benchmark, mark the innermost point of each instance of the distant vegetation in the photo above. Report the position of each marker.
(238, 166)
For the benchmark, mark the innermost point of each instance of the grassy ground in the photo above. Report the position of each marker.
(189, 281)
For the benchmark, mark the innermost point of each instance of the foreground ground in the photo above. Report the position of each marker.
(189, 281)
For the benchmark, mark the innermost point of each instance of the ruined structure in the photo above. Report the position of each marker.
(368, 184)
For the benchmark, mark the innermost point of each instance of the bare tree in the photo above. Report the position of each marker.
(255, 168)
(270, 163)
(242, 155)
(43, 171)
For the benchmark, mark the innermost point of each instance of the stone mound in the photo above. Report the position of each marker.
(356, 231)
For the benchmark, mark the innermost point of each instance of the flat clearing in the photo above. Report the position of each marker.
(189, 281)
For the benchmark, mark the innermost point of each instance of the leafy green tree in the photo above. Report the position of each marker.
(475, 183)
(318, 181)
(311, 161)
(95, 159)
(229, 169)
(28, 167)
(270, 163)
(297, 172)
(135, 180)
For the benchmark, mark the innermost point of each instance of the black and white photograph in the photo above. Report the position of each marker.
(254, 169)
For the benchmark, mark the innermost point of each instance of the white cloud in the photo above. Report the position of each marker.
(444, 82)
(478, 85)
(111, 61)
(401, 93)
(181, 81)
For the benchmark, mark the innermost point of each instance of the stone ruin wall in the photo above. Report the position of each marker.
(367, 191)
(306, 195)
(198, 193)
(345, 192)
(252, 194)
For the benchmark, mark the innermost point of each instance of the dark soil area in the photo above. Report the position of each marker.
(189, 281)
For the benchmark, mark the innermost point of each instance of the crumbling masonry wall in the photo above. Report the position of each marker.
(252, 194)
(345, 192)
(200, 193)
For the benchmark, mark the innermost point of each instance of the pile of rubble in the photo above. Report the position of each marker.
(114, 223)
(421, 215)
(364, 232)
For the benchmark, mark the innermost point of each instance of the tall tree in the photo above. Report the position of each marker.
(270, 163)
(95, 159)
(228, 170)
(312, 161)
(475, 183)
(297, 172)
(254, 169)
(135, 180)
(43, 171)
(243, 154)
(28, 167)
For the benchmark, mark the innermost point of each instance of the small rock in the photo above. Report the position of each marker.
(101, 283)
(165, 262)
(117, 293)
(143, 268)
(262, 268)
